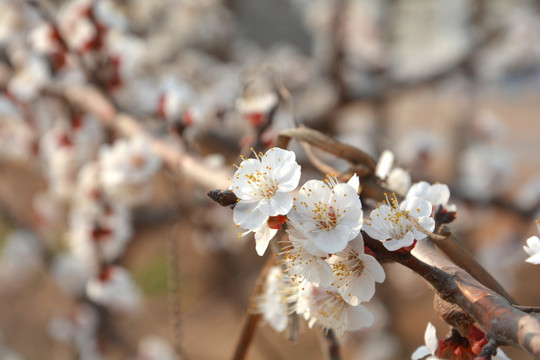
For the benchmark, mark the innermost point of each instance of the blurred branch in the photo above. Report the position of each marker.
(331, 346)
(93, 101)
(336, 49)
(252, 320)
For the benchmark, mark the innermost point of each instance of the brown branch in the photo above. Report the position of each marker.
(326, 143)
(93, 101)
(252, 320)
(462, 258)
(507, 324)
(331, 347)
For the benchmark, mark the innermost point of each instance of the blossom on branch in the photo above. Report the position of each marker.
(325, 307)
(389, 223)
(262, 186)
(274, 301)
(436, 194)
(454, 347)
(355, 274)
(127, 168)
(328, 213)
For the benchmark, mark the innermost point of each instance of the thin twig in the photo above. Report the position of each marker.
(252, 320)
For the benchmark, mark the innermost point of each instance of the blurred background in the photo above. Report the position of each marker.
(450, 86)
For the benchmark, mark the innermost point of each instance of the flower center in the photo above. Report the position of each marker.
(262, 185)
(326, 217)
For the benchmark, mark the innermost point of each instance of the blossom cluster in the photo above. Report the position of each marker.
(326, 273)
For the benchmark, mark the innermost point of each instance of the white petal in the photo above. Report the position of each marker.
(430, 337)
(360, 289)
(417, 207)
(420, 353)
(316, 189)
(359, 317)
(533, 245)
(438, 194)
(354, 182)
(427, 223)
(419, 189)
(500, 355)
(384, 165)
(279, 204)
(376, 233)
(262, 238)
(247, 216)
(333, 240)
(534, 259)
(395, 244)
(320, 272)
(374, 268)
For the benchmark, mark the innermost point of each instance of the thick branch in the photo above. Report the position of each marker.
(506, 323)
(491, 311)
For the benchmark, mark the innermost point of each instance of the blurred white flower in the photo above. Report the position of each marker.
(102, 236)
(325, 307)
(274, 301)
(21, 256)
(175, 99)
(78, 328)
(528, 196)
(155, 348)
(256, 107)
(484, 171)
(75, 25)
(17, 138)
(436, 194)
(70, 274)
(127, 168)
(397, 179)
(64, 148)
(115, 289)
(389, 223)
(329, 214)
(32, 75)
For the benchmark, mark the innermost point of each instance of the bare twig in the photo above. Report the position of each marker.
(252, 320)
(318, 139)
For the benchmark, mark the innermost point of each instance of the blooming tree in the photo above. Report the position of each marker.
(104, 102)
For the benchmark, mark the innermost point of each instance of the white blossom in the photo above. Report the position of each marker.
(389, 223)
(436, 194)
(355, 274)
(70, 274)
(263, 187)
(325, 307)
(396, 178)
(303, 261)
(101, 237)
(274, 301)
(329, 214)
